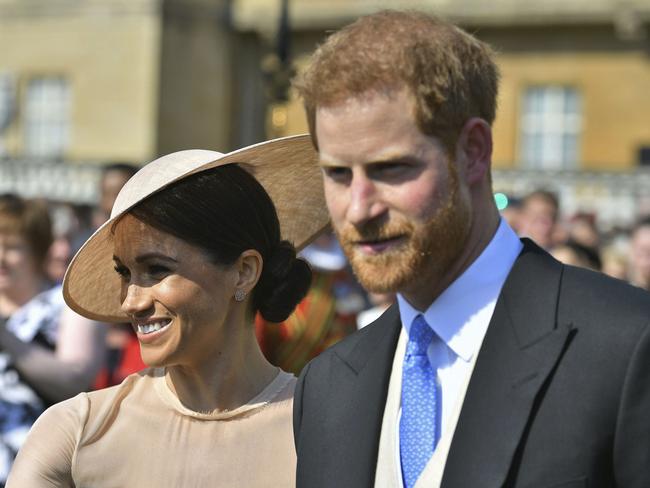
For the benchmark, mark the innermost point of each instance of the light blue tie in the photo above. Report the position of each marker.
(417, 426)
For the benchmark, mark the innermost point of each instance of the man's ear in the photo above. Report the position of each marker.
(474, 149)
(249, 268)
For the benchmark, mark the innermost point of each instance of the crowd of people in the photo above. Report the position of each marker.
(577, 239)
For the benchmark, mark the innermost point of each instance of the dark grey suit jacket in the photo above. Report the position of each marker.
(559, 397)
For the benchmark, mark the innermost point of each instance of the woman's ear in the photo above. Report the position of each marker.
(249, 268)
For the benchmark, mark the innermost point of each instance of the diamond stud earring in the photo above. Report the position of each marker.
(240, 295)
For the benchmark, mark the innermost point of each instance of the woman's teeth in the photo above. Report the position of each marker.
(152, 327)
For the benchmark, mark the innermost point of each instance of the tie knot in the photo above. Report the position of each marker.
(420, 337)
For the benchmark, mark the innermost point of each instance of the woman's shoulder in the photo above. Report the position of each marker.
(282, 387)
(45, 458)
(70, 412)
(277, 397)
(133, 384)
(81, 408)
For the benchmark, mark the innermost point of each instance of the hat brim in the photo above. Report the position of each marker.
(287, 168)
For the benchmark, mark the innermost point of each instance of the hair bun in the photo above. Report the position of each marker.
(284, 282)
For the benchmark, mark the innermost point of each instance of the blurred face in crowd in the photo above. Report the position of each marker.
(512, 215)
(111, 184)
(568, 255)
(393, 193)
(585, 233)
(176, 298)
(58, 259)
(18, 266)
(537, 221)
(640, 257)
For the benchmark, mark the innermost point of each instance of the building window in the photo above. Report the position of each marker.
(550, 127)
(47, 117)
(7, 107)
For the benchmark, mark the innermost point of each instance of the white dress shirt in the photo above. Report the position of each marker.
(460, 317)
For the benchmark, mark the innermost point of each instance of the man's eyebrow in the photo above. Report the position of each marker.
(326, 162)
(401, 158)
(384, 159)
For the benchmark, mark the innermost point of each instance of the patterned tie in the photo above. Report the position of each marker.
(417, 427)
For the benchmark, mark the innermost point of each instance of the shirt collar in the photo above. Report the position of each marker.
(461, 314)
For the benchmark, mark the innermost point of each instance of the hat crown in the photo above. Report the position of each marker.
(158, 174)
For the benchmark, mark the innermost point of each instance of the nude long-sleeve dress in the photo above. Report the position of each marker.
(139, 434)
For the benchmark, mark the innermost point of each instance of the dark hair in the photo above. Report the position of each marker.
(31, 220)
(641, 222)
(588, 254)
(122, 167)
(226, 211)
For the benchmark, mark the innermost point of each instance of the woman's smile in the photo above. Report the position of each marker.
(150, 330)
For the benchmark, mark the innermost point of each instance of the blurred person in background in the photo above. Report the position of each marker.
(123, 350)
(615, 262)
(583, 229)
(71, 226)
(538, 217)
(640, 254)
(325, 316)
(577, 254)
(581, 247)
(512, 213)
(379, 304)
(113, 178)
(616, 253)
(47, 352)
(58, 258)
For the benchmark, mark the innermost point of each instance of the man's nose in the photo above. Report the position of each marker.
(137, 301)
(365, 200)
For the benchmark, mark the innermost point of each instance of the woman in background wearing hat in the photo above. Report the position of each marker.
(192, 251)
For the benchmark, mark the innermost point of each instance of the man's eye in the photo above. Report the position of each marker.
(337, 173)
(123, 271)
(388, 169)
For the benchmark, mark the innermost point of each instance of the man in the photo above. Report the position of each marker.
(640, 254)
(498, 366)
(114, 176)
(539, 213)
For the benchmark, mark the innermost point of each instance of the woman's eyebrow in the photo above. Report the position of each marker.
(154, 255)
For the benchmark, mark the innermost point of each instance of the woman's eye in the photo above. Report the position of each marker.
(123, 271)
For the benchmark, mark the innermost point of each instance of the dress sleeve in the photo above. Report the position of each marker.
(45, 459)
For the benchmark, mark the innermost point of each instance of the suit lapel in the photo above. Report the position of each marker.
(363, 373)
(521, 347)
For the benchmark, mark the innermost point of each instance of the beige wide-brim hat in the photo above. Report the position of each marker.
(287, 168)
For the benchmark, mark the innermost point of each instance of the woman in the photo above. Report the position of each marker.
(192, 250)
(47, 352)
